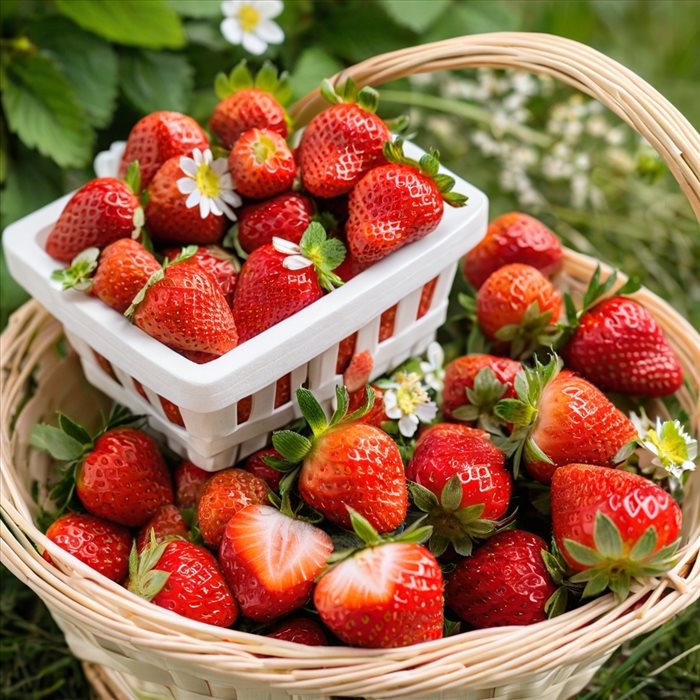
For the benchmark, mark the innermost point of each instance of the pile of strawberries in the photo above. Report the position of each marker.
(357, 528)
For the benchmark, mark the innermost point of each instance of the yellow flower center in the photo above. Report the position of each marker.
(207, 181)
(410, 393)
(249, 18)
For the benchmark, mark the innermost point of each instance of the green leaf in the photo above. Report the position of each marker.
(596, 584)
(619, 585)
(42, 109)
(463, 545)
(57, 443)
(582, 554)
(156, 81)
(557, 602)
(645, 545)
(73, 429)
(291, 445)
(451, 496)
(312, 411)
(607, 537)
(553, 566)
(469, 514)
(362, 528)
(94, 81)
(423, 498)
(197, 8)
(473, 18)
(342, 399)
(632, 285)
(152, 25)
(438, 543)
(417, 15)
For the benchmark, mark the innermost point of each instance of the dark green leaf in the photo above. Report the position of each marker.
(423, 498)
(342, 400)
(73, 429)
(197, 8)
(438, 543)
(556, 603)
(312, 411)
(469, 514)
(417, 15)
(291, 445)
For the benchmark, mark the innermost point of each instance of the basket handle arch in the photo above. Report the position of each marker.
(589, 71)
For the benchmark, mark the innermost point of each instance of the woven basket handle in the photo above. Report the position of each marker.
(618, 88)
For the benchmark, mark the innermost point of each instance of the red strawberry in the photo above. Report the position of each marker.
(184, 578)
(279, 279)
(101, 545)
(167, 522)
(513, 238)
(286, 216)
(185, 309)
(189, 482)
(519, 305)
(226, 493)
(505, 582)
(158, 137)
(343, 142)
(270, 561)
(375, 416)
(396, 204)
(262, 164)
(172, 411)
(282, 396)
(450, 431)
(300, 630)
(218, 263)
(387, 595)
(620, 347)
(562, 418)
(98, 214)
(255, 464)
(346, 464)
(611, 526)
(388, 318)
(474, 384)
(248, 103)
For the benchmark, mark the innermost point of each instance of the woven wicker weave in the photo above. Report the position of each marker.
(143, 646)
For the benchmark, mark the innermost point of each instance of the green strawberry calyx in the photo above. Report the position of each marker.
(609, 566)
(315, 249)
(522, 412)
(560, 573)
(267, 79)
(482, 398)
(145, 580)
(349, 93)
(429, 166)
(78, 275)
(534, 330)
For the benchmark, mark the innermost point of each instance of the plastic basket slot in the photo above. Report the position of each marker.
(321, 367)
(368, 337)
(211, 424)
(407, 311)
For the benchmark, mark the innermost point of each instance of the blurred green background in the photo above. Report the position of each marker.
(76, 75)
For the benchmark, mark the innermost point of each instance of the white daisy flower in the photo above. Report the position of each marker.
(249, 23)
(433, 373)
(407, 401)
(674, 450)
(208, 184)
(294, 257)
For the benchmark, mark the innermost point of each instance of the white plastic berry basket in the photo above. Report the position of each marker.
(114, 353)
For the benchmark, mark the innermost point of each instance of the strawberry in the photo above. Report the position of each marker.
(346, 464)
(99, 213)
(248, 102)
(450, 431)
(559, 418)
(619, 346)
(513, 238)
(518, 304)
(396, 204)
(184, 578)
(118, 474)
(461, 482)
(386, 595)
(279, 279)
(300, 630)
(221, 266)
(505, 582)
(101, 545)
(285, 216)
(282, 396)
(473, 386)
(172, 411)
(224, 494)
(168, 521)
(189, 482)
(256, 464)
(342, 143)
(612, 526)
(270, 560)
(262, 164)
(158, 137)
(183, 307)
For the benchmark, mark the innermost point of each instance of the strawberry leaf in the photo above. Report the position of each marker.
(57, 443)
(423, 498)
(645, 545)
(438, 544)
(451, 495)
(342, 400)
(133, 177)
(582, 554)
(619, 585)
(311, 410)
(291, 445)
(607, 537)
(596, 584)
(556, 603)
(74, 430)
(362, 528)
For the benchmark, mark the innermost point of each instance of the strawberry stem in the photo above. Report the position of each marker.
(77, 276)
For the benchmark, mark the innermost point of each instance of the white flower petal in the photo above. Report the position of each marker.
(185, 185)
(231, 197)
(232, 31)
(436, 355)
(268, 8)
(204, 207)
(426, 367)
(408, 425)
(393, 413)
(434, 382)
(208, 157)
(220, 166)
(426, 411)
(253, 44)
(225, 182)
(390, 400)
(198, 157)
(286, 247)
(214, 207)
(296, 262)
(188, 166)
(231, 7)
(193, 199)
(225, 208)
(269, 32)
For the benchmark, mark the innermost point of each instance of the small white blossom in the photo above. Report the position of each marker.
(249, 23)
(294, 258)
(433, 372)
(208, 184)
(407, 401)
(674, 450)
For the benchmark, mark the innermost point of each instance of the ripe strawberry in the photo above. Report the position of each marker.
(248, 102)
(612, 526)
(387, 320)
(224, 494)
(156, 138)
(184, 308)
(343, 142)
(262, 164)
(279, 279)
(519, 305)
(346, 464)
(172, 411)
(450, 431)
(286, 216)
(167, 522)
(255, 464)
(386, 595)
(189, 482)
(473, 386)
(396, 204)
(620, 347)
(505, 582)
(561, 418)
(270, 561)
(182, 577)
(300, 630)
(101, 545)
(99, 213)
(220, 265)
(513, 238)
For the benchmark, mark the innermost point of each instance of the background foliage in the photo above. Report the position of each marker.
(75, 75)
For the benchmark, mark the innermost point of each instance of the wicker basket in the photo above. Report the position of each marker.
(143, 646)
